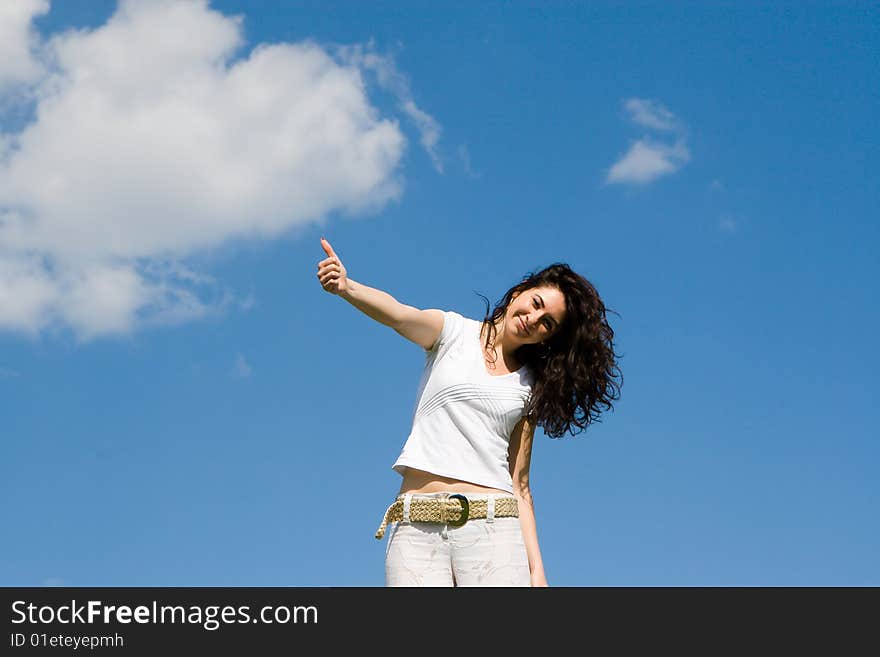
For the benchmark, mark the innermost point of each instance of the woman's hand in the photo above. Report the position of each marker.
(331, 272)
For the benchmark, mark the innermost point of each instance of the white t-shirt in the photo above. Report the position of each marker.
(463, 415)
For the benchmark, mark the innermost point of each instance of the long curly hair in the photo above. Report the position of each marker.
(576, 370)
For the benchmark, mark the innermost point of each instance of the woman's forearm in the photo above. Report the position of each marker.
(530, 537)
(377, 304)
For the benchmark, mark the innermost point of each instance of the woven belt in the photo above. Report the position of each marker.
(454, 510)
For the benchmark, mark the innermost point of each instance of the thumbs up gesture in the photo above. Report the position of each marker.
(331, 272)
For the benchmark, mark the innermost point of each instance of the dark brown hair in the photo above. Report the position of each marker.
(576, 370)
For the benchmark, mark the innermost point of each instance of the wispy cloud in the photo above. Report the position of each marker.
(651, 114)
(9, 372)
(728, 224)
(465, 157)
(247, 302)
(143, 152)
(392, 80)
(648, 159)
(242, 367)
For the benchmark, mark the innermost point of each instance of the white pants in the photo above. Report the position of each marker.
(483, 552)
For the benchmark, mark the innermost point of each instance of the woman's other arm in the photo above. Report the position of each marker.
(519, 459)
(421, 326)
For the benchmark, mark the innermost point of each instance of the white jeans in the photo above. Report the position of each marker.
(483, 552)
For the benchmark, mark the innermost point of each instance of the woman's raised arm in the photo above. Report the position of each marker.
(421, 326)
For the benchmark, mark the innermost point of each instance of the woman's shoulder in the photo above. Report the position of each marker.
(462, 322)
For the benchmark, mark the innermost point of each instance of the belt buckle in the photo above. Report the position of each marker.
(465, 511)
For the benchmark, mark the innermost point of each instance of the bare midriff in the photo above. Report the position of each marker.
(419, 481)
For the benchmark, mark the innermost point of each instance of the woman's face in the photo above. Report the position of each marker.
(535, 314)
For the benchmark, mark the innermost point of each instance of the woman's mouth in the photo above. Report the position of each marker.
(522, 324)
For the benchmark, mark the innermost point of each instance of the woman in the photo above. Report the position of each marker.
(464, 514)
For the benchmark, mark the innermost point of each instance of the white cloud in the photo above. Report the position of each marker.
(27, 292)
(18, 41)
(9, 372)
(646, 161)
(151, 143)
(651, 114)
(93, 297)
(102, 297)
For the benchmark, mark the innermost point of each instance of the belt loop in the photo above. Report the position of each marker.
(407, 500)
(490, 508)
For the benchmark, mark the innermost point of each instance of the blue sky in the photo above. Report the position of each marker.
(182, 404)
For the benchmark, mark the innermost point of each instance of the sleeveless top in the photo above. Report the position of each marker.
(463, 415)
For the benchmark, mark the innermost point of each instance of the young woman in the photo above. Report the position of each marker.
(464, 514)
